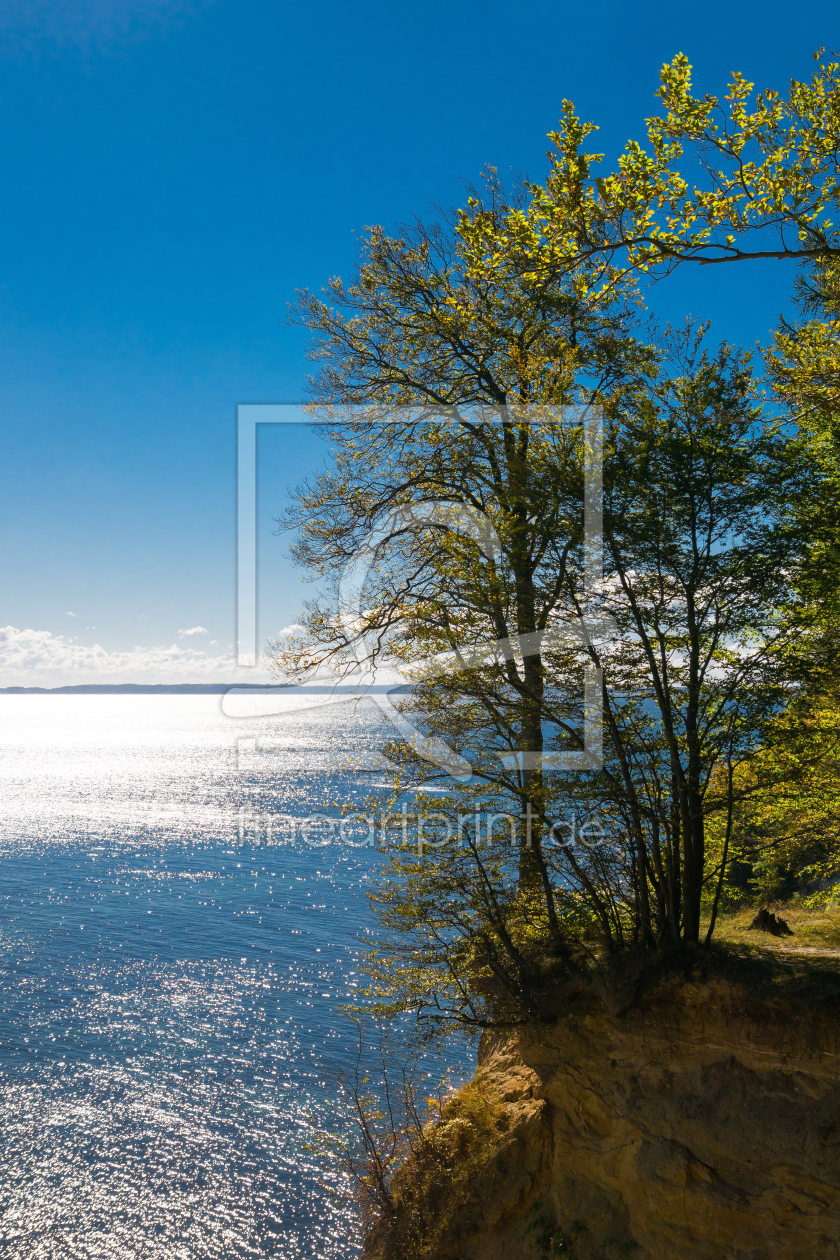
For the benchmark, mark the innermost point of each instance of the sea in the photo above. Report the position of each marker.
(179, 929)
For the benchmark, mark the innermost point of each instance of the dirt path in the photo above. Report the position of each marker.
(817, 951)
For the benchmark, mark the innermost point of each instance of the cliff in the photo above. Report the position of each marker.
(701, 1124)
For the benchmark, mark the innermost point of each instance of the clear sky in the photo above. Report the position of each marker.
(172, 170)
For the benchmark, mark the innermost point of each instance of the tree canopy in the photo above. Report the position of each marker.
(769, 185)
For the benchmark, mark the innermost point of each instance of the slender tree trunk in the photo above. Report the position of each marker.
(674, 875)
(693, 855)
(725, 856)
(531, 744)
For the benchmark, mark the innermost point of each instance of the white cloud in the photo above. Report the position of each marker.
(72, 614)
(194, 630)
(38, 658)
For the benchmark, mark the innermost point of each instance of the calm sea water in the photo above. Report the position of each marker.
(169, 981)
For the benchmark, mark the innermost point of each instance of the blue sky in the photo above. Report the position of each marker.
(172, 171)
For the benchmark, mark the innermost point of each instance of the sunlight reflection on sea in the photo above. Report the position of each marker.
(169, 1032)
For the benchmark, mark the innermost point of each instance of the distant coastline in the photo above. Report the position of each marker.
(139, 689)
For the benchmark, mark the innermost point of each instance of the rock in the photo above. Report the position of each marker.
(702, 1124)
(764, 921)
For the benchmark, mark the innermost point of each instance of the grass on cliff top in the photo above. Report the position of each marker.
(812, 929)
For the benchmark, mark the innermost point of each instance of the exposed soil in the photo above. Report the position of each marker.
(702, 1124)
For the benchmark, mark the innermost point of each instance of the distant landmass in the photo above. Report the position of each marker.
(139, 689)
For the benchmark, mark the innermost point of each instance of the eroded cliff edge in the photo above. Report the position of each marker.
(702, 1124)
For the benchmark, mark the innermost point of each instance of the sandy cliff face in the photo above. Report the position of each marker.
(703, 1124)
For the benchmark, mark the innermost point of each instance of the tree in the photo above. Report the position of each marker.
(496, 331)
(698, 567)
(420, 329)
(769, 186)
(785, 832)
(788, 816)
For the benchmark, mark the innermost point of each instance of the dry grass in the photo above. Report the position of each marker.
(812, 929)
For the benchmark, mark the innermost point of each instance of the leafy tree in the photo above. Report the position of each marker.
(496, 331)
(785, 833)
(697, 570)
(427, 322)
(420, 330)
(769, 185)
(786, 829)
